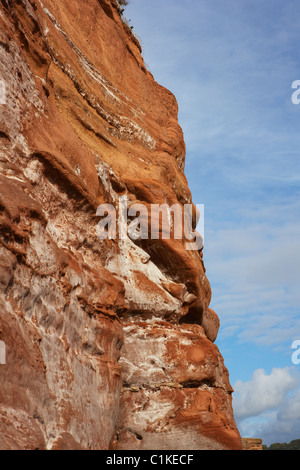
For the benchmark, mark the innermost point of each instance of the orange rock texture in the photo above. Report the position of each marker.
(109, 343)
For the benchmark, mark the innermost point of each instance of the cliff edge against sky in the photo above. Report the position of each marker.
(109, 343)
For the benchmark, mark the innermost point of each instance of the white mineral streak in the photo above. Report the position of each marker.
(132, 259)
(126, 127)
(105, 172)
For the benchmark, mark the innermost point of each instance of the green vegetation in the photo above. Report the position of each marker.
(293, 445)
(122, 5)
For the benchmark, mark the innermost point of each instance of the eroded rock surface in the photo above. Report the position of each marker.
(109, 343)
(252, 444)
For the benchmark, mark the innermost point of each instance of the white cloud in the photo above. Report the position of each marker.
(268, 406)
(263, 392)
(291, 409)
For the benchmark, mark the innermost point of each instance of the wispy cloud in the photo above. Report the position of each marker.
(255, 273)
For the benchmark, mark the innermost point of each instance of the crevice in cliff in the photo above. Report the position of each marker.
(186, 385)
(6, 4)
(106, 8)
(69, 183)
(5, 46)
(3, 135)
(136, 60)
(99, 135)
(194, 316)
(199, 384)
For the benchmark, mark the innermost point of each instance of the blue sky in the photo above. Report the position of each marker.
(231, 65)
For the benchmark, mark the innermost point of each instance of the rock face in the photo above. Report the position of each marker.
(252, 444)
(109, 343)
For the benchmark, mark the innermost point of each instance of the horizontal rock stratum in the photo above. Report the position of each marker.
(109, 343)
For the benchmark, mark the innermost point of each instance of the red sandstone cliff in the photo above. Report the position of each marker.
(110, 344)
